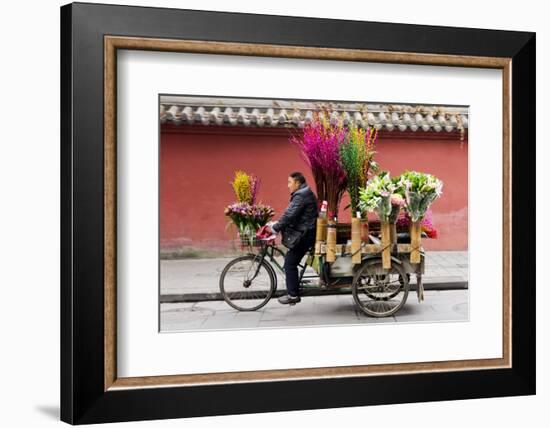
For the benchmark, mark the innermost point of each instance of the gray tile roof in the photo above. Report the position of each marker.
(282, 113)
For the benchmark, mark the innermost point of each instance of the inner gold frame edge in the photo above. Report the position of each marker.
(112, 43)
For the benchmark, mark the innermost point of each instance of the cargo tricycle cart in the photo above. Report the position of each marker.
(374, 261)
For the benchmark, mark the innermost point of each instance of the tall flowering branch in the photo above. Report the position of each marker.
(320, 149)
(246, 187)
(241, 186)
(370, 165)
(357, 158)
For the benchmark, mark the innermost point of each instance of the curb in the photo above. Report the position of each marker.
(213, 296)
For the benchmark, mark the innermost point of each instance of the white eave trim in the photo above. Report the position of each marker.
(287, 113)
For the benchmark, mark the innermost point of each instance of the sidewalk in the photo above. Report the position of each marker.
(197, 279)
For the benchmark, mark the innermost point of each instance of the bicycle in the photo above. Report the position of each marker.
(248, 282)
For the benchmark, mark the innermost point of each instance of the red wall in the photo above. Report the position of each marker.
(198, 163)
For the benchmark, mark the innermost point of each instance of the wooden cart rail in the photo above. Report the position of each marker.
(342, 249)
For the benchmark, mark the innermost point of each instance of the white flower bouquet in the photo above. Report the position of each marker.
(420, 190)
(378, 196)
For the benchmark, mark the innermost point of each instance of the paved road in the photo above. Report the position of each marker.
(438, 306)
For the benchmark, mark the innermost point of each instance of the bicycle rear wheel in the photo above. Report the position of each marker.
(247, 284)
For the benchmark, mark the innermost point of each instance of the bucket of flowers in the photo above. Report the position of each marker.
(247, 215)
(420, 190)
(382, 196)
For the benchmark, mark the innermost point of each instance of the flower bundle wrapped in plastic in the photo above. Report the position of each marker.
(381, 196)
(378, 195)
(420, 190)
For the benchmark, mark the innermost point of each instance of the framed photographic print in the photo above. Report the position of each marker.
(265, 213)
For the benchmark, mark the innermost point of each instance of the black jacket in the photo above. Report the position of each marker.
(301, 213)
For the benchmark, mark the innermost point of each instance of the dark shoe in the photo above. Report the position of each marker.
(289, 300)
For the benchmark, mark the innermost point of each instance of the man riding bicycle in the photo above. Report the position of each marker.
(297, 225)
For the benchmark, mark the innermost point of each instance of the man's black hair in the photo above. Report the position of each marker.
(298, 176)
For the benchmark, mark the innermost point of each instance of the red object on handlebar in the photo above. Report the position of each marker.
(263, 232)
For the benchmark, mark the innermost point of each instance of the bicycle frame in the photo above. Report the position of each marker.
(268, 251)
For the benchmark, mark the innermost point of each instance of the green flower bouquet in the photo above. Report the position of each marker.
(357, 160)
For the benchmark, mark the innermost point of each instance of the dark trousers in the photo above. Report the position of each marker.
(293, 257)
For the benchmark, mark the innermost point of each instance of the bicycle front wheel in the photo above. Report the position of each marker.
(247, 284)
